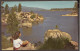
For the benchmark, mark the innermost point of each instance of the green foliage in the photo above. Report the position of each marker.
(56, 27)
(32, 16)
(15, 8)
(5, 43)
(2, 10)
(12, 10)
(56, 43)
(6, 9)
(3, 15)
(19, 8)
(76, 7)
(31, 12)
(12, 22)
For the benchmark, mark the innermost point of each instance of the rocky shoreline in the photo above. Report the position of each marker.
(55, 34)
(25, 18)
(71, 14)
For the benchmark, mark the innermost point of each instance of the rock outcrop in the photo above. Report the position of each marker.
(55, 33)
(27, 47)
(25, 18)
(25, 25)
(10, 48)
(75, 44)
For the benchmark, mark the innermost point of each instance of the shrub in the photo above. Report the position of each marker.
(12, 23)
(56, 43)
(3, 15)
(31, 12)
(6, 9)
(32, 16)
(5, 43)
(19, 7)
(56, 27)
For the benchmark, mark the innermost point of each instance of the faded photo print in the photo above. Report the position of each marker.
(39, 25)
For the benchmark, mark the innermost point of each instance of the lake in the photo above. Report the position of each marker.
(67, 24)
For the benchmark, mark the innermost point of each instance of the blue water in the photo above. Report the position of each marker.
(67, 24)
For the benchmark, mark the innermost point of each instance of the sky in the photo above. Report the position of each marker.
(42, 4)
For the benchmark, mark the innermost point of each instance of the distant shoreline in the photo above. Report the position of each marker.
(70, 14)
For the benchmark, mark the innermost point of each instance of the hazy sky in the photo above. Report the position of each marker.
(42, 4)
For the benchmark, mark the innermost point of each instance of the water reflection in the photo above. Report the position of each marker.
(38, 22)
(52, 18)
(26, 31)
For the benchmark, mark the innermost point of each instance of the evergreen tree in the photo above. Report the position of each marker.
(19, 8)
(76, 6)
(6, 9)
(2, 6)
(15, 8)
(12, 10)
(12, 22)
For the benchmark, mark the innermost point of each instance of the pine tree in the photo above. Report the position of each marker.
(6, 9)
(2, 6)
(15, 8)
(19, 8)
(12, 22)
(76, 6)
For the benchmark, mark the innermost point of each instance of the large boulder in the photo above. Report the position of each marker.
(31, 20)
(37, 19)
(7, 15)
(4, 20)
(66, 35)
(41, 18)
(27, 24)
(56, 33)
(10, 48)
(74, 44)
(29, 46)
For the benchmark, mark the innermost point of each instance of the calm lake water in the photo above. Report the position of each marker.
(67, 24)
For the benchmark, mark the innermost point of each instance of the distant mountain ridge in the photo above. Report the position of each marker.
(24, 9)
(32, 9)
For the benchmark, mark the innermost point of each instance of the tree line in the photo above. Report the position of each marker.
(15, 8)
(12, 22)
(74, 8)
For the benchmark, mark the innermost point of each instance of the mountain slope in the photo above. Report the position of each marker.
(24, 9)
(31, 9)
